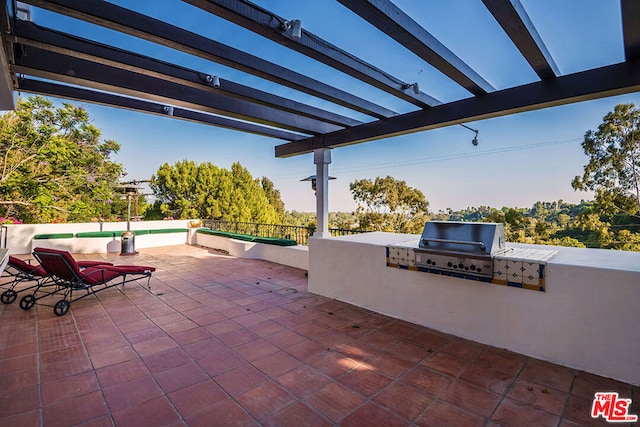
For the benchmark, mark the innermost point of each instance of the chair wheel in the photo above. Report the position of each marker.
(61, 307)
(27, 301)
(8, 296)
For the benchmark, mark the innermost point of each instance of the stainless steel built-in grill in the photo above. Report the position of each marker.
(460, 249)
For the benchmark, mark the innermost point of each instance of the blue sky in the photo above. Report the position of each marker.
(521, 158)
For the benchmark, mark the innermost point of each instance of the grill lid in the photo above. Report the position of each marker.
(480, 238)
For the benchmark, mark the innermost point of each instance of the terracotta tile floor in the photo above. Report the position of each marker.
(223, 341)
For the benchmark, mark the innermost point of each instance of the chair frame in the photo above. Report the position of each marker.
(64, 271)
(24, 272)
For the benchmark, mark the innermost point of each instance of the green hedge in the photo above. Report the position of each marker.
(249, 238)
(53, 236)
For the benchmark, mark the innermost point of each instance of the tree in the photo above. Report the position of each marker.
(53, 165)
(388, 204)
(190, 190)
(613, 171)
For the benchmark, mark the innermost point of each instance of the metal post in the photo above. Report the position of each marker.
(322, 159)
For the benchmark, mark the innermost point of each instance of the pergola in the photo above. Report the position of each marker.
(41, 60)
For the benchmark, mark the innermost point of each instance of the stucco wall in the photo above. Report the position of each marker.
(20, 236)
(587, 318)
(293, 256)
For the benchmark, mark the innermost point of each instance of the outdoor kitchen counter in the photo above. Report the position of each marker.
(590, 300)
(579, 257)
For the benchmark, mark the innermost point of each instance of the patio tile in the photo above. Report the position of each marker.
(390, 365)
(68, 387)
(75, 410)
(306, 350)
(156, 345)
(204, 348)
(276, 364)
(490, 379)
(296, 415)
(132, 393)
(226, 414)
(446, 363)
(256, 349)
(333, 364)
(265, 400)
(546, 374)
(19, 401)
(238, 337)
(586, 385)
(548, 399)
(463, 349)
(503, 360)
(198, 397)
(335, 401)
(408, 402)
(471, 398)
(365, 381)
(161, 361)
(442, 414)
(65, 368)
(221, 362)
(303, 380)
(241, 379)
(179, 377)
(121, 373)
(113, 357)
(155, 412)
(511, 413)
(16, 380)
(372, 415)
(426, 380)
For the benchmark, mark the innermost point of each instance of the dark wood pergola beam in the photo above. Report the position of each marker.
(631, 28)
(601, 82)
(110, 100)
(269, 25)
(138, 25)
(388, 18)
(55, 66)
(31, 34)
(515, 21)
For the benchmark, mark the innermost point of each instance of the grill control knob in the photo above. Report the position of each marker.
(473, 267)
(449, 264)
(479, 271)
(428, 261)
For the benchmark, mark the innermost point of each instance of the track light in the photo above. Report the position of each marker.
(474, 141)
(295, 26)
(296, 29)
(168, 109)
(212, 80)
(416, 88)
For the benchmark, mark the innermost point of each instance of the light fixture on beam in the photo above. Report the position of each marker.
(313, 180)
(295, 26)
(474, 141)
(212, 80)
(168, 110)
(416, 88)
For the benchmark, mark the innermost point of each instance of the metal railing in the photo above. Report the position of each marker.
(295, 232)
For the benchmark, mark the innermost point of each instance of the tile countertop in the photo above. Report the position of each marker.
(562, 255)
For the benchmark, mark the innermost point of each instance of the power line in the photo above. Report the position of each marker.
(436, 159)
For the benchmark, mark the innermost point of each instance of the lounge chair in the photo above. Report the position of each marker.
(70, 279)
(23, 272)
